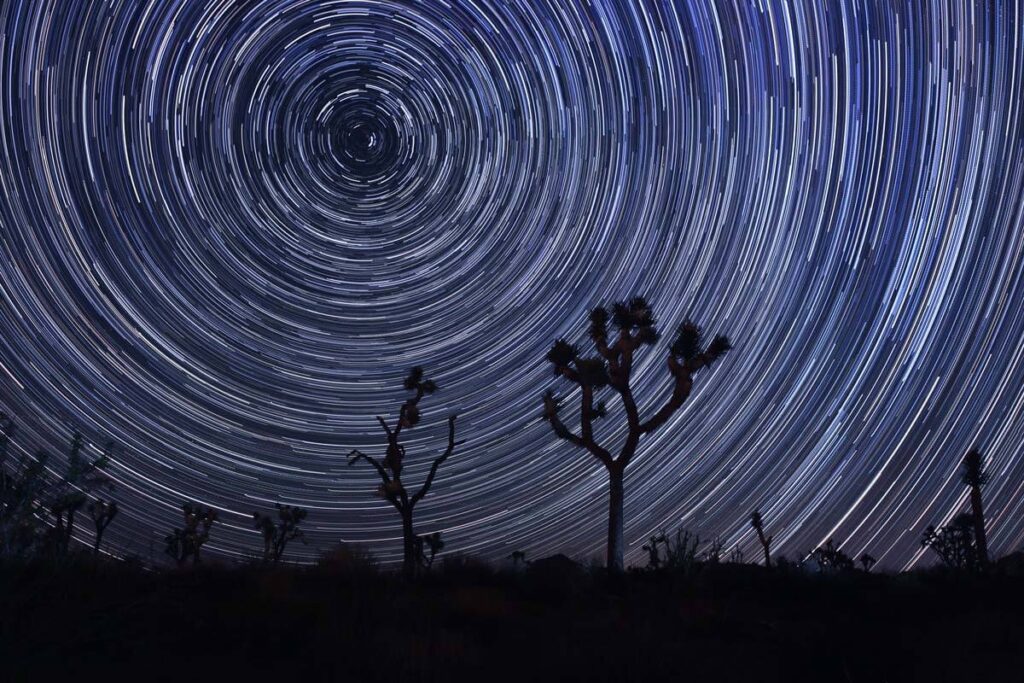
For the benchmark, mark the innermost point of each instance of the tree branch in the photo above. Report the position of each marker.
(629, 403)
(680, 392)
(357, 455)
(437, 463)
(561, 430)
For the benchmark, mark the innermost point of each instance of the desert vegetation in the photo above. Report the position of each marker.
(692, 604)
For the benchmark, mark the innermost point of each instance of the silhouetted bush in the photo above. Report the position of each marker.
(954, 544)
(678, 553)
(829, 558)
(348, 558)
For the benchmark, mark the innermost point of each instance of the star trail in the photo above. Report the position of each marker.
(227, 230)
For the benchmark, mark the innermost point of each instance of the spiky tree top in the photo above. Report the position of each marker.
(102, 512)
(196, 517)
(277, 535)
(390, 468)
(82, 475)
(634, 326)
(408, 416)
(756, 521)
(972, 471)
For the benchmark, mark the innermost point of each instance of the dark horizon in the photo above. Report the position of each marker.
(225, 237)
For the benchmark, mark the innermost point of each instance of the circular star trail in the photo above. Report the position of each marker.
(229, 228)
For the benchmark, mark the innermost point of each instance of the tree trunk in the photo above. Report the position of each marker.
(409, 559)
(978, 512)
(616, 544)
(65, 542)
(765, 546)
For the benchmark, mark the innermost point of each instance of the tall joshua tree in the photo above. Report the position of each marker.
(612, 367)
(392, 488)
(973, 475)
(276, 535)
(766, 541)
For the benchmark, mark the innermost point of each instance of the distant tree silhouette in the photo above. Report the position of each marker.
(392, 488)
(713, 553)
(974, 477)
(186, 542)
(613, 366)
(518, 557)
(277, 535)
(867, 562)
(954, 543)
(23, 484)
(430, 543)
(28, 495)
(72, 491)
(653, 550)
(766, 541)
(830, 558)
(102, 513)
(736, 556)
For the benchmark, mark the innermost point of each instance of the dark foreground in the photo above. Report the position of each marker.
(728, 622)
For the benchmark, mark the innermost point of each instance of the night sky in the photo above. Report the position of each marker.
(227, 230)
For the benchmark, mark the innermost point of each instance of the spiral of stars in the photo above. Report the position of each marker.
(227, 229)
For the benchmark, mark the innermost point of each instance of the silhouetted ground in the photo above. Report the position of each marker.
(728, 622)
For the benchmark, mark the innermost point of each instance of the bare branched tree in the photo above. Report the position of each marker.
(613, 367)
(392, 488)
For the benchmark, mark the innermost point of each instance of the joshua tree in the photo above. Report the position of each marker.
(22, 485)
(766, 541)
(713, 553)
(432, 543)
(867, 562)
(954, 543)
(974, 477)
(276, 535)
(392, 488)
(102, 513)
(613, 367)
(653, 550)
(71, 494)
(188, 541)
(518, 557)
(27, 494)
